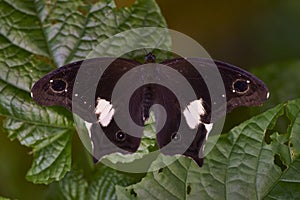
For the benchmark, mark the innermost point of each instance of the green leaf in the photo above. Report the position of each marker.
(123, 194)
(73, 186)
(242, 165)
(39, 36)
(101, 185)
(47, 131)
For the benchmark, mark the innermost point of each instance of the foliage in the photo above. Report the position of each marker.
(254, 160)
(101, 185)
(241, 166)
(35, 38)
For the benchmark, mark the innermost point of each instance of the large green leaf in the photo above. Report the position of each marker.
(38, 36)
(72, 186)
(47, 131)
(104, 181)
(100, 186)
(242, 165)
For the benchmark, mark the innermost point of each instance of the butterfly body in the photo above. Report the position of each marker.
(57, 88)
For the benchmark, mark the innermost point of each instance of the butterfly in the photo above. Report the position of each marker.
(57, 88)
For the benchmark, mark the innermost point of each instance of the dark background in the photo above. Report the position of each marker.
(249, 34)
(245, 33)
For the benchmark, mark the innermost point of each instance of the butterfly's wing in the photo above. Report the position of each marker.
(60, 87)
(79, 88)
(125, 141)
(56, 87)
(241, 88)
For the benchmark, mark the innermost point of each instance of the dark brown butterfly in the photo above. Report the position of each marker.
(56, 88)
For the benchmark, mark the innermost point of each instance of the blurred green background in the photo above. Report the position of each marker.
(244, 33)
(249, 34)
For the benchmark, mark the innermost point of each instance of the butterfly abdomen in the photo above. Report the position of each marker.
(148, 100)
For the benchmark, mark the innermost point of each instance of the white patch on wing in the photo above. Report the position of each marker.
(101, 104)
(106, 120)
(89, 128)
(105, 111)
(193, 113)
(268, 95)
(208, 128)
